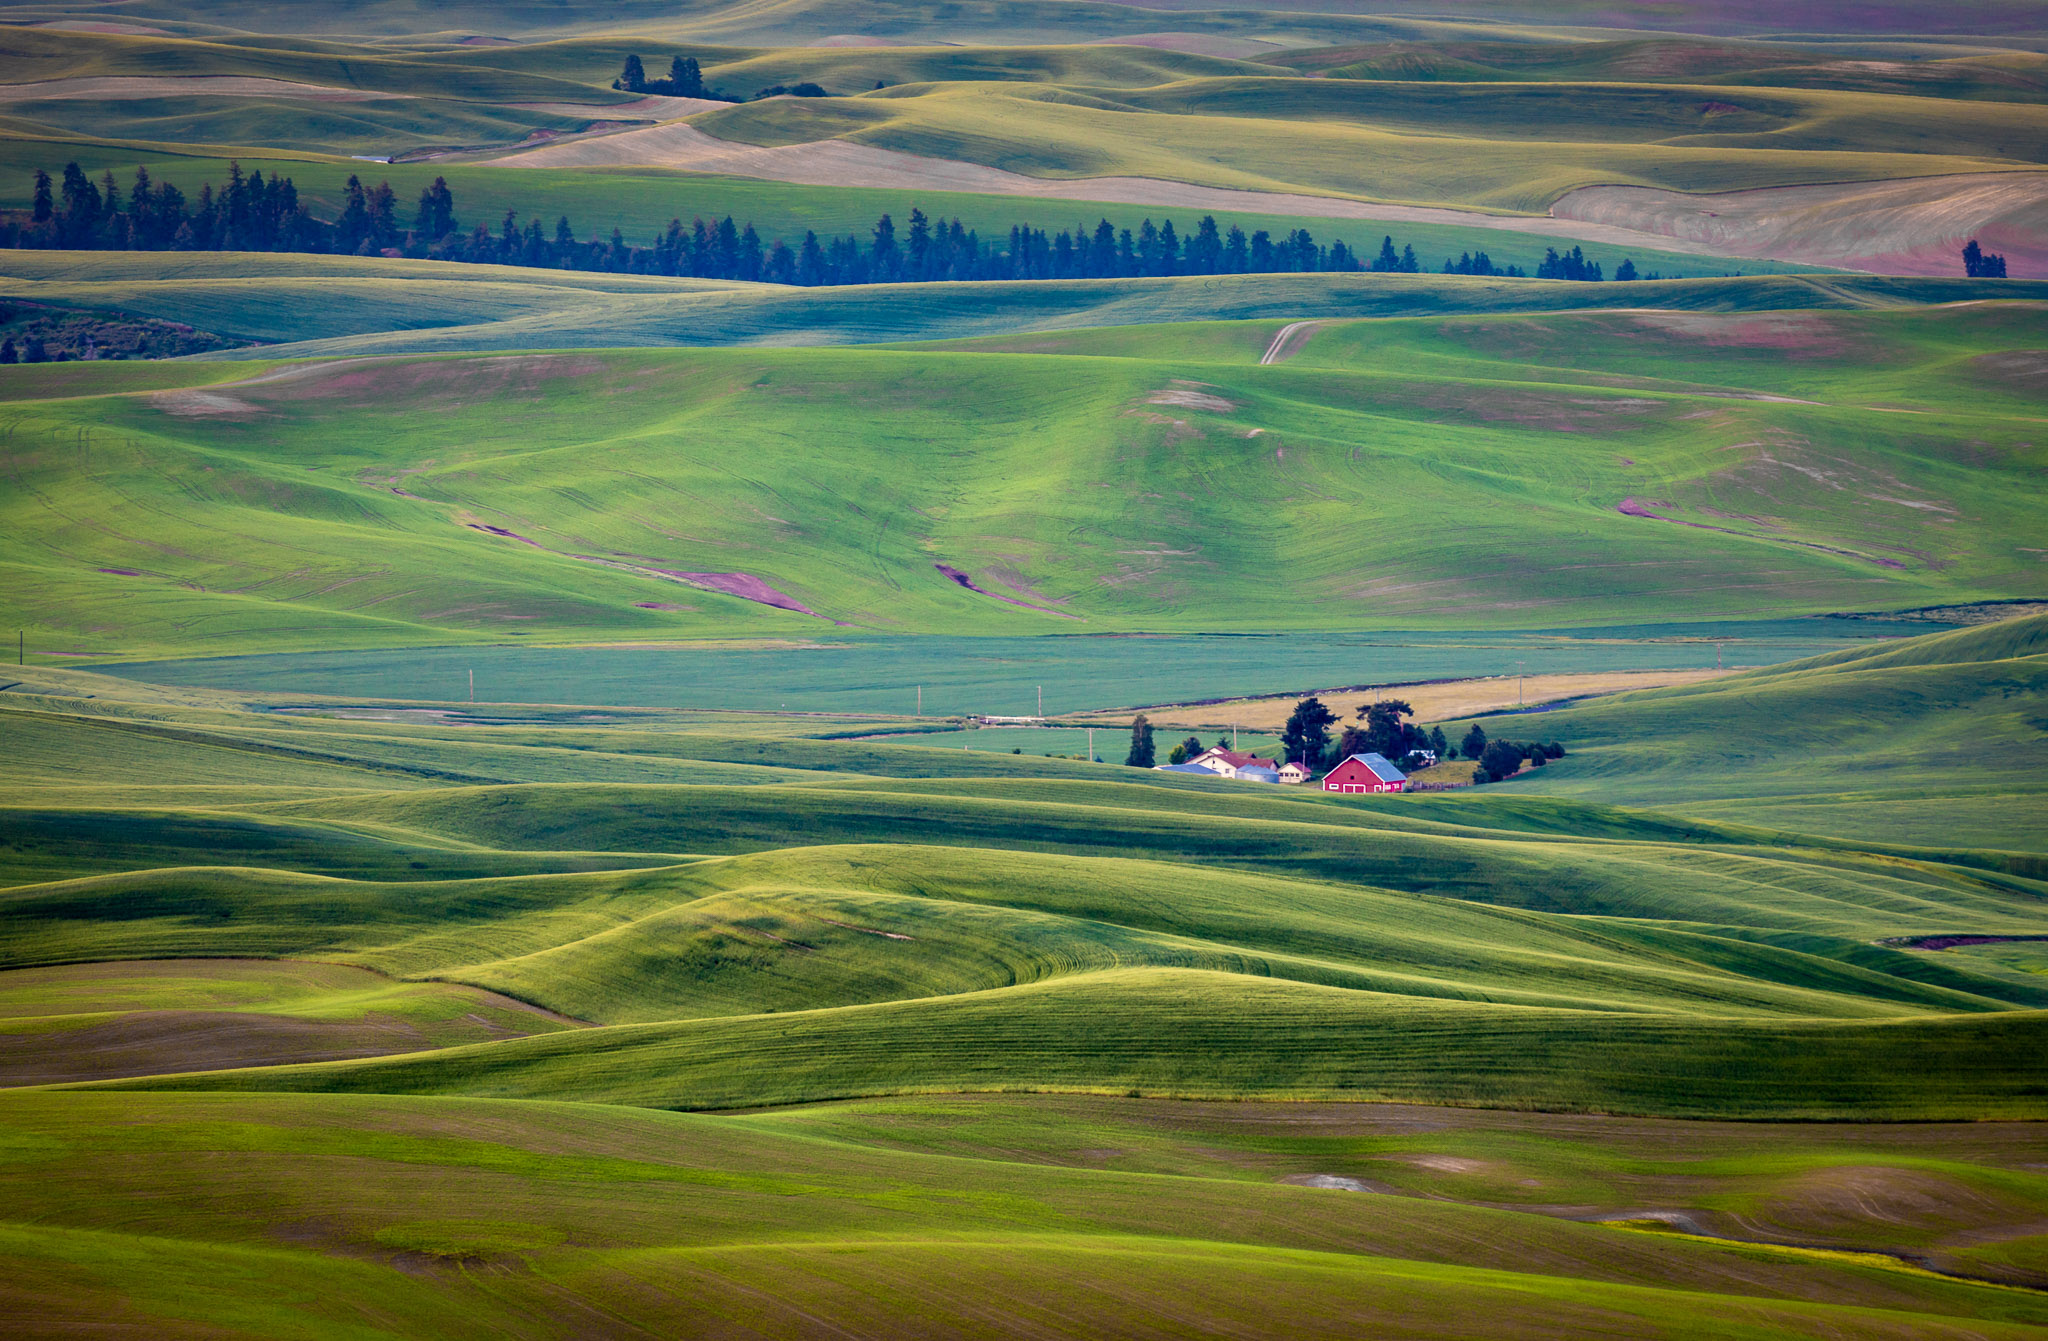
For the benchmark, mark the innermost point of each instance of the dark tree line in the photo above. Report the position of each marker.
(1981, 264)
(250, 213)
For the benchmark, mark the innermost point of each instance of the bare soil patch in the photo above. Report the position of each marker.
(201, 404)
(1187, 397)
(1956, 942)
(743, 585)
(968, 582)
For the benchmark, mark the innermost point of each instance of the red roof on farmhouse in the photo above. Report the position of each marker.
(1236, 760)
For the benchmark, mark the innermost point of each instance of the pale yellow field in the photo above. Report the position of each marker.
(1432, 702)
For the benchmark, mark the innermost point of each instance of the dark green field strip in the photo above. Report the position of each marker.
(93, 1021)
(247, 743)
(56, 844)
(200, 911)
(1850, 894)
(1206, 1035)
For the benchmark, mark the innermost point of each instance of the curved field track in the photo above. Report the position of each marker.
(845, 163)
(1911, 227)
(125, 87)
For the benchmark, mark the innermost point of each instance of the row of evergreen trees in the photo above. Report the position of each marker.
(250, 213)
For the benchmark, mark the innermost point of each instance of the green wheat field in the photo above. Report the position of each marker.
(569, 774)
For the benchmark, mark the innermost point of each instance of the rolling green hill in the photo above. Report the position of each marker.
(602, 910)
(870, 918)
(1553, 465)
(1938, 740)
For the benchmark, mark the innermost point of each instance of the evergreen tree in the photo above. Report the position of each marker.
(79, 216)
(1409, 264)
(1307, 735)
(1236, 253)
(1438, 743)
(1474, 743)
(382, 204)
(749, 258)
(633, 79)
(8, 354)
(810, 261)
(34, 351)
(1626, 270)
(919, 245)
(1102, 251)
(887, 261)
(686, 79)
(1205, 248)
(1388, 260)
(1385, 731)
(1141, 744)
(41, 210)
(353, 226)
(437, 212)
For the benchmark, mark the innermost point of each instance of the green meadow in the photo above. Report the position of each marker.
(1460, 472)
(510, 990)
(497, 836)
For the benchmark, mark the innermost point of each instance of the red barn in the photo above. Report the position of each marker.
(1365, 773)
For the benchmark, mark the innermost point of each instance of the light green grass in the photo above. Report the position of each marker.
(1938, 740)
(661, 1218)
(1085, 485)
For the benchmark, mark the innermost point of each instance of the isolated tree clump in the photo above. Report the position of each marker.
(1191, 748)
(1981, 264)
(1503, 758)
(1141, 755)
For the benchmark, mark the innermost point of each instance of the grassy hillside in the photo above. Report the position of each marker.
(662, 1218)
(323, 306)
(600, 912)
(1938, 740)
(679, 912)
(304, 506)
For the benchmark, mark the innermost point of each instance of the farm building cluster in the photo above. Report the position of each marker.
(1360, 773)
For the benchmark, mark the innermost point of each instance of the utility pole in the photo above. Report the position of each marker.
(1091, 744)
(472, 684)
(1518, 682)
(1041, 700)
(920, 700)
(1717, 656)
